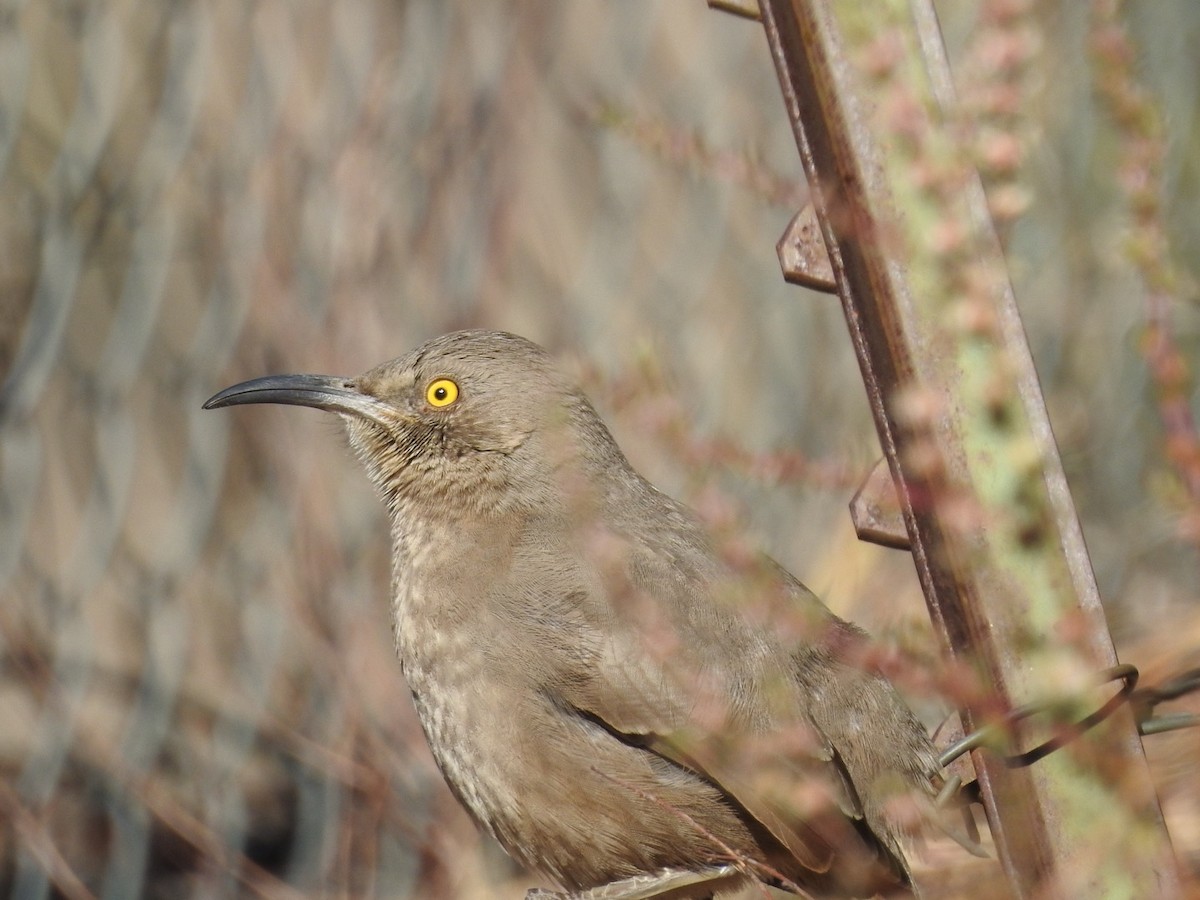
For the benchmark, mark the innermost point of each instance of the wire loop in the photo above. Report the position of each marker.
(988, 734)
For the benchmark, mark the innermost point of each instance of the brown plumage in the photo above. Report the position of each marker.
(607, 695)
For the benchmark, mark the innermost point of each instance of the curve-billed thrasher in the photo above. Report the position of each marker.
(613, 699)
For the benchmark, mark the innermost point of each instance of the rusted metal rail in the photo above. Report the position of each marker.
(959, 412)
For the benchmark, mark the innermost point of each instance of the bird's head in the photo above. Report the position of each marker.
(461, 422)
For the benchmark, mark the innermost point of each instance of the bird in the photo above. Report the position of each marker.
(630, 711)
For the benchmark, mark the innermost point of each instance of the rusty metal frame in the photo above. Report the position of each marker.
(1002, 589)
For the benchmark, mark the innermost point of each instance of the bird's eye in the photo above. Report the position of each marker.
(441, 392)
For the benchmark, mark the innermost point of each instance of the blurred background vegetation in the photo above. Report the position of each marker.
(198, 694)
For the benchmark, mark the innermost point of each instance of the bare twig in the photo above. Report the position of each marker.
(41, 846)
(747, 10)
(681, 146)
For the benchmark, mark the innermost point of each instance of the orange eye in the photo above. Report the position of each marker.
(442, 392)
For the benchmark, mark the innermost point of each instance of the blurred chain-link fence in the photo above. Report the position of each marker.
(198, 694)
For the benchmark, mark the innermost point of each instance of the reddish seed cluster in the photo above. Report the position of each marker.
(993, 95)
(1142, 149)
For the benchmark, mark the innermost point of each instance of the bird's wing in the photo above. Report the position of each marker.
(788, 781)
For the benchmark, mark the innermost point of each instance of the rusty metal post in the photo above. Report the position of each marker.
(960, 415)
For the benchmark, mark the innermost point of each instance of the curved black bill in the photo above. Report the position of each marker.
(320, 391)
